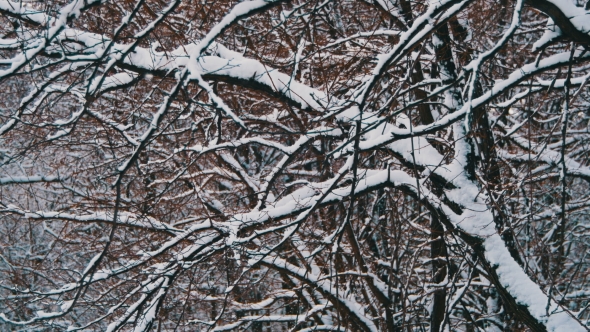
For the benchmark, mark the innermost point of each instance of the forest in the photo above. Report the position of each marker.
(295, 165)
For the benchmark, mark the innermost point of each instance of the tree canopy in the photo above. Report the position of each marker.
(304, 165)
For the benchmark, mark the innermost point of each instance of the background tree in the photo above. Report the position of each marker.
(294, 165)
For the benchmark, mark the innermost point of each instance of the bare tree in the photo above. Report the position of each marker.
(367, 165)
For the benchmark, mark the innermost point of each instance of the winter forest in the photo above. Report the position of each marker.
(303, 165)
